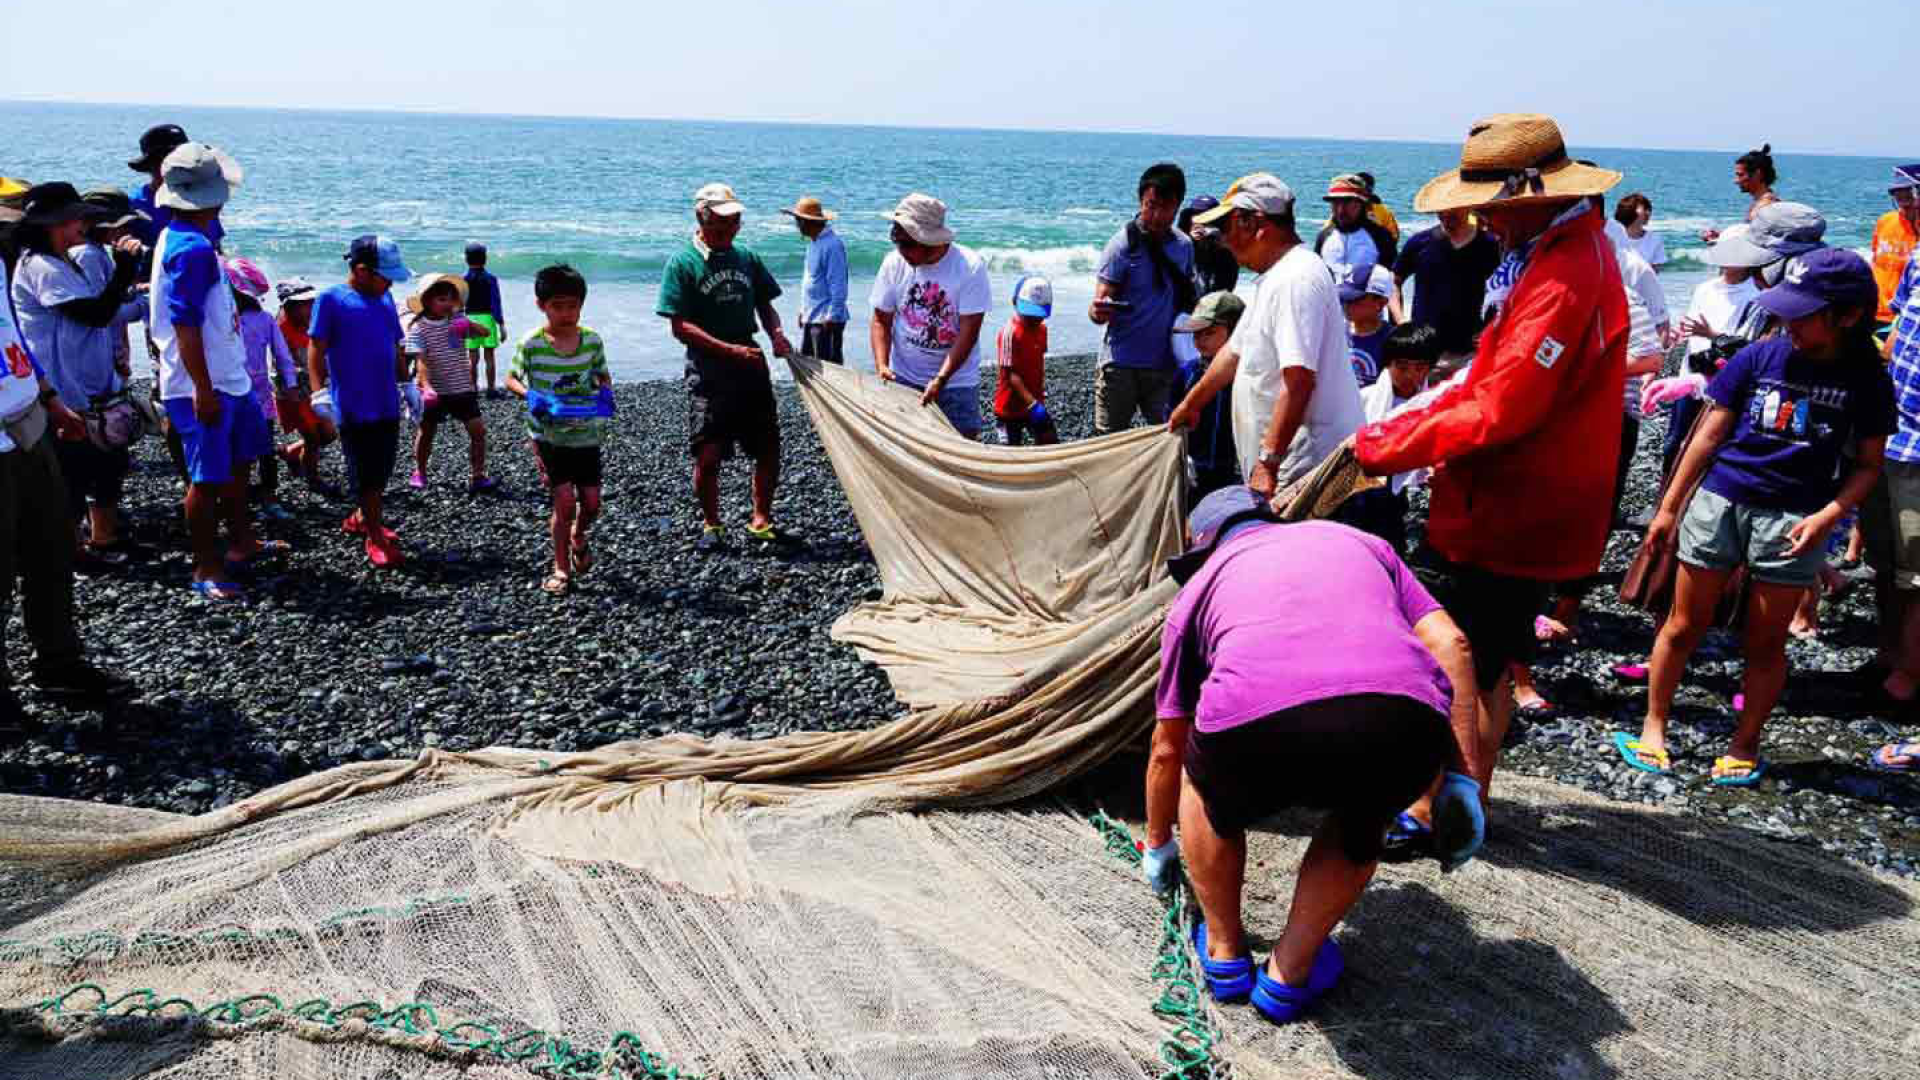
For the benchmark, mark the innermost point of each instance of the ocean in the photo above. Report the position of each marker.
(614, 197)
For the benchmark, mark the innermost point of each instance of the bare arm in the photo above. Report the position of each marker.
(1448, 644)
(317, 363)
(1645, 365)
(1396, 307)
(770, 322)
(1021, 395)
(1289, 410)
(1714, 428)
(1219, 375)
(880, 336)
(1813, 529)
(1103, 292)
(1163, 778)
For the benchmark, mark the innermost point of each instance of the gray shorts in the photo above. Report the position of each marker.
(1720, 534)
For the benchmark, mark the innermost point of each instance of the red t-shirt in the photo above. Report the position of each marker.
(1023, 352)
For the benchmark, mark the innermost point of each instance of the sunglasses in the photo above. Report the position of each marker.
(901, 239)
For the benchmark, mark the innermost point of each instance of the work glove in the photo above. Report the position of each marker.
(604, 401)
(410, 394)
(1459, 821)
(1673, 388)
(322, 402)
(1161, 865)
(540, 404)
(1038, 414)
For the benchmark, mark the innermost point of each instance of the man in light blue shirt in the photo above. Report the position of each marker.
(823, 290)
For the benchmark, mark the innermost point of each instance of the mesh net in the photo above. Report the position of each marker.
(905, 902)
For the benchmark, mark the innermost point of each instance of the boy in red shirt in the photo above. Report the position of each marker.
(1020, 393)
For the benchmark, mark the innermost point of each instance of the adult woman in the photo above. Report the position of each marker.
(1360, 720)
(1635, 212)
(72, 299)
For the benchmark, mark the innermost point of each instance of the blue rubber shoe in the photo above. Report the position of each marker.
(1228, 981)
(1283, 1004)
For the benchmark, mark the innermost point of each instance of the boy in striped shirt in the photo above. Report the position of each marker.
(561, 370)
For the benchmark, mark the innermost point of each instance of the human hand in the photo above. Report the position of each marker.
(1459, 821)
(782, 348)
(750, 354)
(1038, 414)
(1658, 392)
(1161, 865)
(67, 425)
(1695, 326)
(884, 371)
(321, 402)
(130, 247)
(1811, 531)
(206, 405)
(1265, 480)
(1181, 418)
(428, 399)
(932, 392)
(1663, 533)
(605, 400)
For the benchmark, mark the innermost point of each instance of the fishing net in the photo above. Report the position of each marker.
(917, 900)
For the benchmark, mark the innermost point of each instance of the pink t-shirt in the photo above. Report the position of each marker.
(1283, 615)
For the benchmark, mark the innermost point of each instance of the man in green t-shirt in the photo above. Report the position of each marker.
(711, 295)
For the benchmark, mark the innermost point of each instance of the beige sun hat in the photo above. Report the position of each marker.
(1513, 158)
(417, 303)
(808, 208)
(924, 218)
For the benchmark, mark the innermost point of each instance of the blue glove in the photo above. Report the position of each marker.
(410, 397)
(1459, 821)
(605, 401)
(1038, 414)
(540, 404)
(1161, 865)
(322, 402)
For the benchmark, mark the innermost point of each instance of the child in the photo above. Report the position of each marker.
(296, 297)
(445, 380)
(561, 369)
(1210, 445)
(1364, 293)
(263, 342)
(483, 303)
(353, 358)
(1020, 390)
(1774, 453)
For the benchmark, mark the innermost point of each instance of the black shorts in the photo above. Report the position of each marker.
(745, 418)
(1018, 430)
(92, 473)
(1494, 611)
(823, 341)
(1364, 757)
(577, 465)
(369, 450)
(462, 407)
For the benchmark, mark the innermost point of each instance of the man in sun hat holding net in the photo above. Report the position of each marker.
(1522, 491)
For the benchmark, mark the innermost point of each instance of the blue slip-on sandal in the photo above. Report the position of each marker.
(1283, 1004)
(219, 592)
(1882, 759)
(1227, 980)
(1750, 774)
(1638, 756)
(1407, 840)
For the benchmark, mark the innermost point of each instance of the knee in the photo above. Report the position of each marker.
(590, 502)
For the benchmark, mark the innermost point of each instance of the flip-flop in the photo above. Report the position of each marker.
(1882, 759)
(268, 549)
(1631, 673)
(556, 584)
(712, 538)
(1632, 751)
(1407, 839)
(1283, 1004)
(1227, 980)
(486, 485)
(1755, 769)
(219, 592)
(1537, 710)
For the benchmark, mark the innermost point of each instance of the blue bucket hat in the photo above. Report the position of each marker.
(1219, 517)
(1813, 281)
(380, 253)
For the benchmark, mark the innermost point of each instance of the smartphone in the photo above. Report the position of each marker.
(1115, 302)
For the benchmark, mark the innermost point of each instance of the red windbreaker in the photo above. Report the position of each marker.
(1524, 449)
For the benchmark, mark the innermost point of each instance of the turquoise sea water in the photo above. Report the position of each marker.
(614, 197)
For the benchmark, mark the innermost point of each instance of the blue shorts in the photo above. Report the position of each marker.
(960, 404)
(222, 451)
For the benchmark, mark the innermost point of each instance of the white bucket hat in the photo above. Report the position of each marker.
(196, 176)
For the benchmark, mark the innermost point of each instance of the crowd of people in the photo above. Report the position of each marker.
(1511, 385)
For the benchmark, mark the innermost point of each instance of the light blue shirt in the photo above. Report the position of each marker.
(823, 290)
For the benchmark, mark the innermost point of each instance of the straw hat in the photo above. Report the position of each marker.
(808, 208)
(1513, 158)
(417, 302)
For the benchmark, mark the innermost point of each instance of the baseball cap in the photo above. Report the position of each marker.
(1905, 176)
(1778, 230)
(1347, 186)
(1817, 279)
(1033, 296)
(155, 144)
(1220, 308)
(717, 199)
(1366, 279)
(380, 253)
(1255, 191)
(196, 176)
(1219, 517)
(294, 289)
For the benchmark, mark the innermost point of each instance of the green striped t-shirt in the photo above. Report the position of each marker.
(574, 379)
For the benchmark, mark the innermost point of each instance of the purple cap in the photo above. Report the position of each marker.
(1817, 279)
(1366, 279)
(1905, 176)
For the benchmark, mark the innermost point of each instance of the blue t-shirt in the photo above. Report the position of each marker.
(1210, 444)
(362, 334)
(1137, 335)
(1364, 351)
(483, 293)
(1795, 419)
(158, 217)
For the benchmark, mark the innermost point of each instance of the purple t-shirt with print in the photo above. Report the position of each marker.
(1284, 615)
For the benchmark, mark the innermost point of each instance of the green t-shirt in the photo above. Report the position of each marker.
(719, 292)
(574, 379)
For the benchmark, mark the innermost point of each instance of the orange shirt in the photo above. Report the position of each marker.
(1893, 243)
(1023, 352)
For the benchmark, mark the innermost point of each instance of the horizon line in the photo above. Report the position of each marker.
(1154, 132)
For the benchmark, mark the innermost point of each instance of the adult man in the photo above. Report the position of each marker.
(1449, 264)
(823, 286)
(1895, 236)
(1145, 280)
(1377, 208)
(1214, 267)
(1353, 237)
(929, 301)
(711, 293)
(1890, 519)
(36, 539)
(1295, 398)
(155, 144)
(1522, 480)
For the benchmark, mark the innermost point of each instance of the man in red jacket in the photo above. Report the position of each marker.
(1523, 446)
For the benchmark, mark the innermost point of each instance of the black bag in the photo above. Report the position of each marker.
(1184, 296)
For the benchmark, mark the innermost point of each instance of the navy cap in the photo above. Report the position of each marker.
(1219, 517)
(1199, 204)
(1905, 176)
(1820, 278)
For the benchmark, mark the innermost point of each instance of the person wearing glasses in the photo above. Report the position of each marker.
(930, 300)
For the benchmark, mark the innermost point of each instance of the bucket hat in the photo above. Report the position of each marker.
(417, 302)
(808, 208)
(1779, 230)
(112, 209)
(1513, 158)
(924, 218)
(52, 203)
(196, 176)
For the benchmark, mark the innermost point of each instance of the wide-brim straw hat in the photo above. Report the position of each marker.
(808, 208)
(1513, 158)
(416, 303)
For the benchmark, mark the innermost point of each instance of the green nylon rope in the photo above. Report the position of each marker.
(624, 1058)
(1187, 1049)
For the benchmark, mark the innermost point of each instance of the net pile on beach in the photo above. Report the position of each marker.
(907, 902)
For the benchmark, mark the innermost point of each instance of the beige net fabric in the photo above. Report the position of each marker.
(875, 904)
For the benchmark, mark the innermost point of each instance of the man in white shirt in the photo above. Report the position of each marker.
(1295, 398)
(929, 302)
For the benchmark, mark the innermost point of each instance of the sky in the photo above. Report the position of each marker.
(1826, 76)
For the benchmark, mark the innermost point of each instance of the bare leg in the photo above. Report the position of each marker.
(1769, 607)
(423, 444)
(241, 543)
(1695, 594)
(473, 366)
(706, 482)
(1903, 682)
(1525, 693)
(561, 526)
(477, 448)
(1217, 867)
(490, 387)
(203, 529)
(1325, 890)
(103, 522)
(370, 509)
(766, 478)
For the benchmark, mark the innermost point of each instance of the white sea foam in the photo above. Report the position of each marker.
(1080, 258)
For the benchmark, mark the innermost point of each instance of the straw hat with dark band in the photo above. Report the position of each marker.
(1513, 158)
